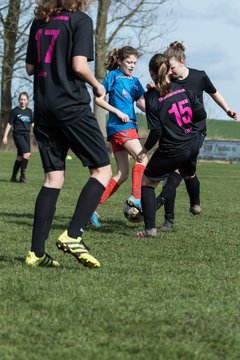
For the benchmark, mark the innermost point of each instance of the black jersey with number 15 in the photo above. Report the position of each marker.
(175, 116)
(198, 82)
(60, 96)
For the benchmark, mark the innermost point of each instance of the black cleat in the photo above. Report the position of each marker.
(13, 179)
(195, 209)
(23, 180)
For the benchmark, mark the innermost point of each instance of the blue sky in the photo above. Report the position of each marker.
(210, 30)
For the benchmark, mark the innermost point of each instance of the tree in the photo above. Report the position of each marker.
(121, 22)
(14, 22)
(10, 29)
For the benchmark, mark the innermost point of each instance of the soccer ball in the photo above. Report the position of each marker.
(132, 214)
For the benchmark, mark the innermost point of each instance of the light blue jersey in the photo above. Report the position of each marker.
(123, 91)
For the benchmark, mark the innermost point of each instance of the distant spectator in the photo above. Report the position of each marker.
(20, 120)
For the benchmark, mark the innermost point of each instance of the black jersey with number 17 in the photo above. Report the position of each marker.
(60, 96)
(175, 116)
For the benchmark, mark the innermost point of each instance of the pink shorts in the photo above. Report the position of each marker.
(119, 138)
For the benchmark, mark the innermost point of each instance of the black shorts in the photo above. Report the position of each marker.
(84, 138)
(161, 164)
(22, 142)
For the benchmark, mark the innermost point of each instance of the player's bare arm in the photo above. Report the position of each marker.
(100, 101)
(81, 68)
(141, 104)
(218, 98)
(6, 132)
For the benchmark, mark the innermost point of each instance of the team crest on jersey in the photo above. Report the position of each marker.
(126, 94)
(23, 118)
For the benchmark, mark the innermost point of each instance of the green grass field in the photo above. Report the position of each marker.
(173, 297)
(216, 129)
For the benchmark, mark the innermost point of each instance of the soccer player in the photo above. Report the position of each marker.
(20, 120)
(172, 112)
(123, 90)
(59, 48)
(198, 82)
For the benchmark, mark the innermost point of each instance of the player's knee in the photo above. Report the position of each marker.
(189, 177)
(105, 171)
(27, 156)
(54, 179)
(102, 174)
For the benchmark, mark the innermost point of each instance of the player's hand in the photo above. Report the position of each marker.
(122, 116)
(4, 140)
(141, 156)
(98, 90)
(150, 86)
(232, 114)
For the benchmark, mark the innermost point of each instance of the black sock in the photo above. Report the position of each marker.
(45, 208)
(16, 167)
(193, 189)
(148, 201)
(24, 164)
(87, 203)
(172, 183)
(169, 207)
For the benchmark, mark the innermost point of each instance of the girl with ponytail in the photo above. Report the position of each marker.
(123, 90)
(199, 82)
(172, 112)
(60, 45)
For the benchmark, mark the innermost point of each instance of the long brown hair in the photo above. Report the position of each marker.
(118, 54)
(176, 50)
(47, 8)
(159, 66)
